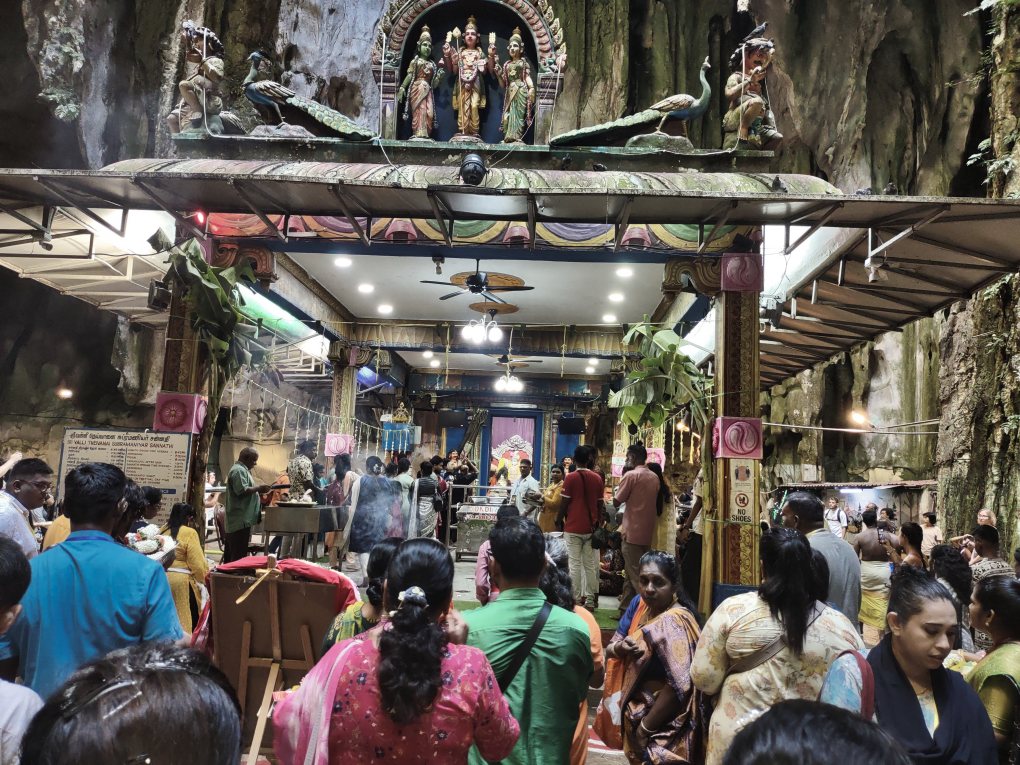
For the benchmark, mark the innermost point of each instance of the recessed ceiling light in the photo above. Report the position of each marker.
(625, 272)
(593, 361)
(615, 297)
(428, 354)
(385, 308)
(366, 289)
(434, 363)
(343, 262)
(609, 318)
(589, 370)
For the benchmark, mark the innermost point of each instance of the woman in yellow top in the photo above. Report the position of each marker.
(189, 568)
(995, 609)
(552, 501)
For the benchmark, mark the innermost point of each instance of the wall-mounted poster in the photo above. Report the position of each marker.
(149, 459)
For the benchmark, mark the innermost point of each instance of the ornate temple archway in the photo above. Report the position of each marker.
(395, 37)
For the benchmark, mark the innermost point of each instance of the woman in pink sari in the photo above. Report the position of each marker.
(401, 693)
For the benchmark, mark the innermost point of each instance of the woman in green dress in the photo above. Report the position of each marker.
(995, 610)
(362, 615)
(519, 100)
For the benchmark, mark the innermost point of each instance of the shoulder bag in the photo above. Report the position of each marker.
(599, 533)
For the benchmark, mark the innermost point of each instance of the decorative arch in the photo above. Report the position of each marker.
(537, 16)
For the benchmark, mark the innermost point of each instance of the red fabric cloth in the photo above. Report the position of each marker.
(346, 591)
(577, 486)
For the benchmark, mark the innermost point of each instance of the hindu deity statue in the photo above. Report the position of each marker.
(423, 75)
(200, 97)
(471, 64)
(519, 98)
(749, 122)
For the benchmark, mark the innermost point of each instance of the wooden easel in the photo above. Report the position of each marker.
(271, 576)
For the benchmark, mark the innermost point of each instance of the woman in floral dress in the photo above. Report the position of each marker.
(763, 647)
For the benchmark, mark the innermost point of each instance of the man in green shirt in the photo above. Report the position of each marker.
(242, 504)
(546, 692)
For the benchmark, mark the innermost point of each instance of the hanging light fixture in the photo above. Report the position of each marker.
(509, 383)
(479, 330)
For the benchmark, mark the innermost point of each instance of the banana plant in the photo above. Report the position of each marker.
(214, 301)
(662, 382)
(214, 305)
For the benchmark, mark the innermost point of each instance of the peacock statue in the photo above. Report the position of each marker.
(280, 106)
(681, 107)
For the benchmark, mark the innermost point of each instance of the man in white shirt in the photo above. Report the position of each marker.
(835, 518)
(28, 485)
(523, 485)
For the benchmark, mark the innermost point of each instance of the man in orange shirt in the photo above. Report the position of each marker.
(639, 489)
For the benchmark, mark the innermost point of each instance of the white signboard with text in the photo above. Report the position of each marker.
(741, 490)
(148, 458)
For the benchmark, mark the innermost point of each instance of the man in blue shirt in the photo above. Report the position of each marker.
(89, 595)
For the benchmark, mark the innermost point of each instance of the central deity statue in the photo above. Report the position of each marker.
(471, 64)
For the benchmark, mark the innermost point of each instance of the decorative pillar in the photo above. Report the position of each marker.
(737, 435)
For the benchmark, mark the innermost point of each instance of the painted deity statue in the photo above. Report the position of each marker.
(471, 64)
(519, 98)
(423, 75)
(200, 97)
(749, 122)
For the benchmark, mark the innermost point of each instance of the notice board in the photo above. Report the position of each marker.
(149, 459)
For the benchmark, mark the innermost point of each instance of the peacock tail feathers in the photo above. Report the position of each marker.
(331, 118)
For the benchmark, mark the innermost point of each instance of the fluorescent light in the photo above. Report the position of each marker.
(385, 308)
(366, 289)
(428, 354)
(615, 297)
(434, 363)
(625, 272)
(495, 334)
(593, 361)
(342, 262)
(64, 393)
(609, 318)
(501, 384)
(589, 370)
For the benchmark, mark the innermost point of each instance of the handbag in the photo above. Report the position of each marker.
(599, 533)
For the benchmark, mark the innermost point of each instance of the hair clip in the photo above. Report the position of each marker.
(97, 693)
(414, 595)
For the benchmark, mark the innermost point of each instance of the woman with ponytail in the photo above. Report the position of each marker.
(362, 615)
(402, 693)
(763, 647)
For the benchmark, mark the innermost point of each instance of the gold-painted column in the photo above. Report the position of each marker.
(737, 475)
(345, 387)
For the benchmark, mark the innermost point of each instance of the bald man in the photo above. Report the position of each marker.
(242, 504)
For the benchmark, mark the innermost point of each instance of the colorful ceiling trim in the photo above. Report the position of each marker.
(679, 237)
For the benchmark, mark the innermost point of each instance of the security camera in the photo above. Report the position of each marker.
(473, 169)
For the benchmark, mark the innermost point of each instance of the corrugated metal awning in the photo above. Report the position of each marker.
(900, 258)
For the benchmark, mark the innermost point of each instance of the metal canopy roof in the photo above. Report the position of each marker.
(899, 258)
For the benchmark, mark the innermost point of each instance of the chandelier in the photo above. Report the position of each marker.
(509, 383)
(479, 330)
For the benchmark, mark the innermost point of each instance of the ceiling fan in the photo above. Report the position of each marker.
(506, 358)
(478, 284)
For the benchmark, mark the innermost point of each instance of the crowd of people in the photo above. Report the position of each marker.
(886, 644)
